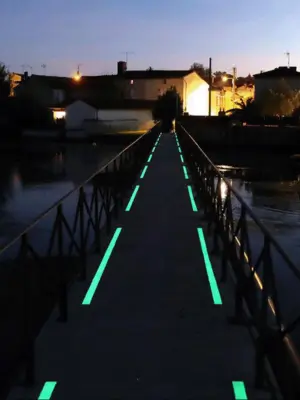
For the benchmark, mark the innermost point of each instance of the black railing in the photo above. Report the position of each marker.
(37, 267)
(255, 265)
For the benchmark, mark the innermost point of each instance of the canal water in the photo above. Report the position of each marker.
(32, 180)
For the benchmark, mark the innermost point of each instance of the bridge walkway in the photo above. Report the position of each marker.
(152, 327)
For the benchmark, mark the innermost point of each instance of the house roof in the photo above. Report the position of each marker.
(125, 104)
(156, 74)
(280, 72)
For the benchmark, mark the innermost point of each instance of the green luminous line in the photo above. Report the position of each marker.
(239, 390)
(150, 158)
(193, 203)
(179, 149)
(154, 147)
(133, 196)
(47, 390)
(185, 172)
(209, 270)
(181, 158)
(144, 171)
(98, 275)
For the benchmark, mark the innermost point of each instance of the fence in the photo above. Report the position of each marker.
(256, 267)
(38, 266)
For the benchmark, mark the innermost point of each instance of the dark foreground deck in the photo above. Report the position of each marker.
(153, 329)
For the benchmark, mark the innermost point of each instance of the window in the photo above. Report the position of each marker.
(58, 95)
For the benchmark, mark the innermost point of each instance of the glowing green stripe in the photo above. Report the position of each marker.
(98, 275)
(185, 172)
(133, 196)
(193, 203)
(209, 270)
(47, 390)
(144, 171)
(239, 390)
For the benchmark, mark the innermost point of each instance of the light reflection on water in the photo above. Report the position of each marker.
(276, 203)
(31, 183)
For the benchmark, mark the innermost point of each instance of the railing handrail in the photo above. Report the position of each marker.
(63, 198)
(261, 226)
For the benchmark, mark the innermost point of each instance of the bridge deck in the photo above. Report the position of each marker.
(152, 330)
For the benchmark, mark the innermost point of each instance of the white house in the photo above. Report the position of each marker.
(119, 117)
(147, 85)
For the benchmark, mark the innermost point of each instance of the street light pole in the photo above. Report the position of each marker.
(233, 83)
(209, 88)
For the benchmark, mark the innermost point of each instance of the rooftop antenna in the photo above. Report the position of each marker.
(44, 66)
(287, 54)
(127, 53)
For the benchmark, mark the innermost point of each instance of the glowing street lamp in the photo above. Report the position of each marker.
(77, 77)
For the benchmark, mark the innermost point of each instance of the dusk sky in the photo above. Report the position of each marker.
(164, 34)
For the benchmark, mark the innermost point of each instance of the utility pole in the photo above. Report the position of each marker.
(233, 83)
(288, 58)
(209, 88)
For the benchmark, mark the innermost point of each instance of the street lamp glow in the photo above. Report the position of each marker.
(224, 78)
(77, 77)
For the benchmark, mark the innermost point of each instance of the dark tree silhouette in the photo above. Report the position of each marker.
(200, 69)
(4, 82)
(167, 108)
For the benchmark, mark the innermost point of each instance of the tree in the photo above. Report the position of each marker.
(200, 69)
(4, 81)
(167, 107)
(280, 101)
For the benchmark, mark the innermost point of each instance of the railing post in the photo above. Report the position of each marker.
(96, 216)
(29, 353)
(63, 296)
(263, 316)
(82, 274)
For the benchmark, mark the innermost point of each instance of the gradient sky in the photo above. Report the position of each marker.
(164, 34)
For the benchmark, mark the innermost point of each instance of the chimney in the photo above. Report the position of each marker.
(122, 67)
(25, 76)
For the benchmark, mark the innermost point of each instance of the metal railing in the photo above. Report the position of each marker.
(254, 264)
(37, 267)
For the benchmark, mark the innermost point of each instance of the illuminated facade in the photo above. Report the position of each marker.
(148, 85)
(222, 99)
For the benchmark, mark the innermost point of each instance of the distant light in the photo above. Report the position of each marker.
(131, 82)
(77, 77)
(224, 78)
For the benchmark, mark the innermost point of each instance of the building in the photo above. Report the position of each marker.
(91, 116)
(49, 91)
(57, 92)
(149, 84)
(269, 80)
(222, 98)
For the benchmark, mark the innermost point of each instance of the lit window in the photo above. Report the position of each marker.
(131, 82)
(59, 114)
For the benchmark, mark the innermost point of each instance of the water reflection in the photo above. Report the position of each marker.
(224, 189)
(31, 181)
